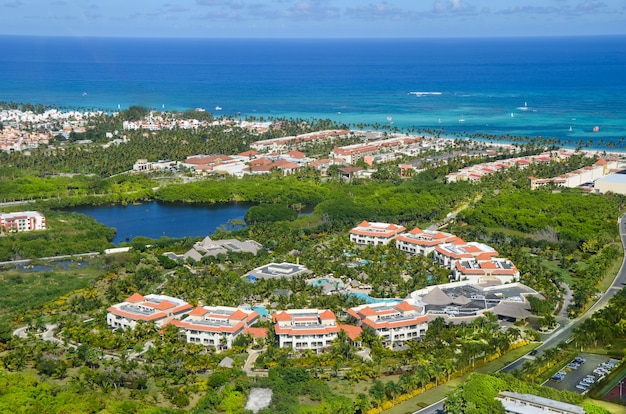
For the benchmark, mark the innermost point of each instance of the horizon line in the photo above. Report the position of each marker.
(542, 36)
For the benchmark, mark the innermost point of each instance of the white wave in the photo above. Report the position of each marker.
(424, 93)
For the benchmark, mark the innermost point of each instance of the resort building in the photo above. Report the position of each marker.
(483, 271)
(216, 326)
(393, 322)
(375, 233)
(159, 309)
(305, 328)
(465, 301)
(577, 178)
(286, 143)
(276, 271)
(418, 241)
(213, 248)
(22, 221)
(350, 154)
(448, 254)
(615, 183)
(516, 403)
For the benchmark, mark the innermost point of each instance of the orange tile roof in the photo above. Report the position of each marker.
(352, 331)
(163, 305)
(198, 311)
(136, 297)
(405, 306)
(327, 314)
(281, 316)
(256, 332)
(137, 316)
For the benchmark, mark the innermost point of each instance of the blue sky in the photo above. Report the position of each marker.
(312, 18)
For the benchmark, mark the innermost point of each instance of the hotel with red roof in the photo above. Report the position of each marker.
(448, 254)
(484, 271)
(22, 221)
(375, 233)
(393, 322)
(418, 241)
(159, 309)
(301, 329)
(217, 326)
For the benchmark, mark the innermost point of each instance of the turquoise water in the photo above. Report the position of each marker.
(368, 299)
(323, 281)
(261, 310)
(551, 87)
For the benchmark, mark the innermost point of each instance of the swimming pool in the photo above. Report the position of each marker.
(368, 299)
(324, 281)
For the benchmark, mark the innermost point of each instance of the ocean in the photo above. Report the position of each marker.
(550, 87)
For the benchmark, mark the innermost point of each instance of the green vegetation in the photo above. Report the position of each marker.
(477, 394)
(554, 238)
(67, 233)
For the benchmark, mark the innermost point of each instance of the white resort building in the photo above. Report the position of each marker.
(375, 233)
(22, 221)
(448, 254)
(216, 326)
(483, 271)
(465, 301)
(305, 328)
(418, 241)
(159, 309)
(393, 322)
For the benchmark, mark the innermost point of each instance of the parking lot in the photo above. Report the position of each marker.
(573, 376)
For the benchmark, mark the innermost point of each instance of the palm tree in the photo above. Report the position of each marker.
(392, 389)
(377, 392)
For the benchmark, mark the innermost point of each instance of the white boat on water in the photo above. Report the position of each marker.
(462, 118)
(218, 108)
(524, 108)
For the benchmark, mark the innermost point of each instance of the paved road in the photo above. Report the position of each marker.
(564, 333)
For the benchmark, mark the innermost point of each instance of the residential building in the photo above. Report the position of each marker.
(448, 254)
(216, 326)
(516, 403)
(302, 329)
(418, 241)
(483, 271)
(159, 309)
(393, 322)
(22, 221)
(375, 233)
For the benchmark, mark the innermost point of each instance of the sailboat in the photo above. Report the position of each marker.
(570, 129)
(462, 118)
(512, 115)
(524, 108)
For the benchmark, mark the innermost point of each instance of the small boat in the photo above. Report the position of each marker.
(512, 115)
(218, 108)
(524, 108)
(462, 118)
(439, 120)
(570, 129)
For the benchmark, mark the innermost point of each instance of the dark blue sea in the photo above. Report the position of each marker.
(550, 87)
